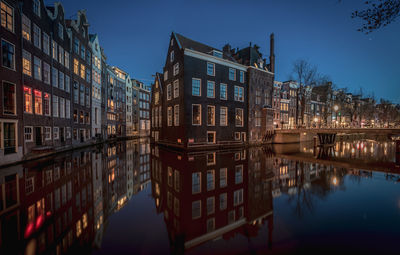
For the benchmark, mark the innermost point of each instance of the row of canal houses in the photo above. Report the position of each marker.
(57, 89)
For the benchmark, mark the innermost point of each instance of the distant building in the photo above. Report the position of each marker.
(144, 108)
(156, 108)
(260, 80)
(96, 86)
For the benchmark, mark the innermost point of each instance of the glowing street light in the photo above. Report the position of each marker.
(336, 108)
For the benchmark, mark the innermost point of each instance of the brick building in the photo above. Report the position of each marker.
(81, 58)
(11, 108)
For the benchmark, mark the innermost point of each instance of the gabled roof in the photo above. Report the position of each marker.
(187, 43)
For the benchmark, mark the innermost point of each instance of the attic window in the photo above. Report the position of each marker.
(217, 53)
(172, 42)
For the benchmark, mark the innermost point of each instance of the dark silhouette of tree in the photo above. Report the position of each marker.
(378, 13)
(306, 75)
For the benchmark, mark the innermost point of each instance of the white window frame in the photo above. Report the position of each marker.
(176, 88)
(213, 64)
(213, 120)
(176, 69)
(214, 139)
(223, 124)
(199, 87)
(31, 134)
(213, 89)
(176, 115)
(200, 115)
(169, 92)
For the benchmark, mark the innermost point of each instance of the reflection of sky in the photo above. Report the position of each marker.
(357, 210)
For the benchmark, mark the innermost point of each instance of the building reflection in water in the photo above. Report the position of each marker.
(205, 196)
(63, 204)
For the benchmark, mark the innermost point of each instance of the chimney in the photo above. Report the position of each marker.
(272, 53)
(227, 49)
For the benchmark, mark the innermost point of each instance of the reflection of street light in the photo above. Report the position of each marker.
(334, 181)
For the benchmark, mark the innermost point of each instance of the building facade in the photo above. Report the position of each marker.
(96, 86)
(205, 96)
(81, 61)
(11, 108)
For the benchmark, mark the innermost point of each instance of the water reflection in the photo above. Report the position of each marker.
(232, 201)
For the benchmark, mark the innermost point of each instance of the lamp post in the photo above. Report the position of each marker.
(335, 108)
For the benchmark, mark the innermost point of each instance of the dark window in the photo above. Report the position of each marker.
(8, 98)
(8, 54)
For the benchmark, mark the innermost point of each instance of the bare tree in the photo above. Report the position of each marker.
(378, 13)
(306, 75)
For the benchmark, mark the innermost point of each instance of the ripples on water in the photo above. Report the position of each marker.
(131, 197)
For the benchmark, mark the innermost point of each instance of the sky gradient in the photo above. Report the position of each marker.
(135, 36)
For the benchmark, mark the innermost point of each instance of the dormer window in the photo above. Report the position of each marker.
(217, 54)
(60, 31)
(172, 42)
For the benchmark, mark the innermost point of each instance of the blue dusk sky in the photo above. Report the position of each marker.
(135, 36)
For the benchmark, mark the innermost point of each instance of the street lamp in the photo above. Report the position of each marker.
(336, 108)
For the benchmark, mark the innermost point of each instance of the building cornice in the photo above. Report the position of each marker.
(217, 60)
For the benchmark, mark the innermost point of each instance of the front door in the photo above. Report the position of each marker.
(38, 132)
(62, 137)
(82, 135)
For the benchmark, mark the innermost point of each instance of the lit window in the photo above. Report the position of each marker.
(26, 28)
(76, 66)
(27, 63)
(239, 117)
(83, 68)
(38, 102)
(28, 99)
(46, 104)
(210, 115)
(7, 16)
(196, 114)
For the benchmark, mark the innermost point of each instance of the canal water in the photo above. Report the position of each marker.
(134, 198)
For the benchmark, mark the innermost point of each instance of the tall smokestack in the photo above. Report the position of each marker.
(272, 53)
